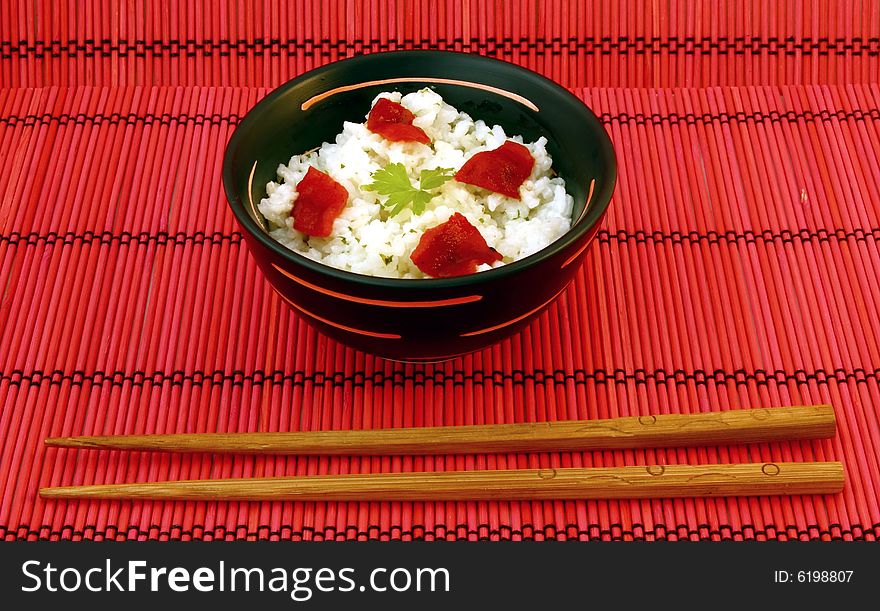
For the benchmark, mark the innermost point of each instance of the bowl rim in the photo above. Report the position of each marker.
(600, 200)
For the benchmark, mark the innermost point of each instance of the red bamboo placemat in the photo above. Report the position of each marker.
(737, 266)
(620, 43)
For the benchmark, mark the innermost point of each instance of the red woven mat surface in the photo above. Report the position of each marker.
(737, 268)
(628, 43)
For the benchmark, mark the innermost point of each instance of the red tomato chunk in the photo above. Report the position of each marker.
(394, 122)
(320, 200)
(502, 170)
(453, 248)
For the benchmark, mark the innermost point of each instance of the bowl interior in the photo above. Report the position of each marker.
(278, 127)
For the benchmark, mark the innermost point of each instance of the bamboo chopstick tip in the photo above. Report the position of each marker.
(64, 442)
(70, 442)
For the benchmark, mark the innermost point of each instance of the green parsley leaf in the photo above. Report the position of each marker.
(419, 200)
(390, 179)
(431, 179)
(393, 182)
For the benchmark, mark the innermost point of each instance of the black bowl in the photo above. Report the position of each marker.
(424, 319)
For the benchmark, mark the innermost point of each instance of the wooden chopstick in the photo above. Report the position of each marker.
(669, 430)
(526, 484)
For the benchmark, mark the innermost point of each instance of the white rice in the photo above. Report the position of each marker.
(366, 240)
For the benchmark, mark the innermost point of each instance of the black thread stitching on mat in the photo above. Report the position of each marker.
(526, 531)
(760, 377)
(123, 238)
(785, 236)
(757, 116)
(555, 46)
(116, 118)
